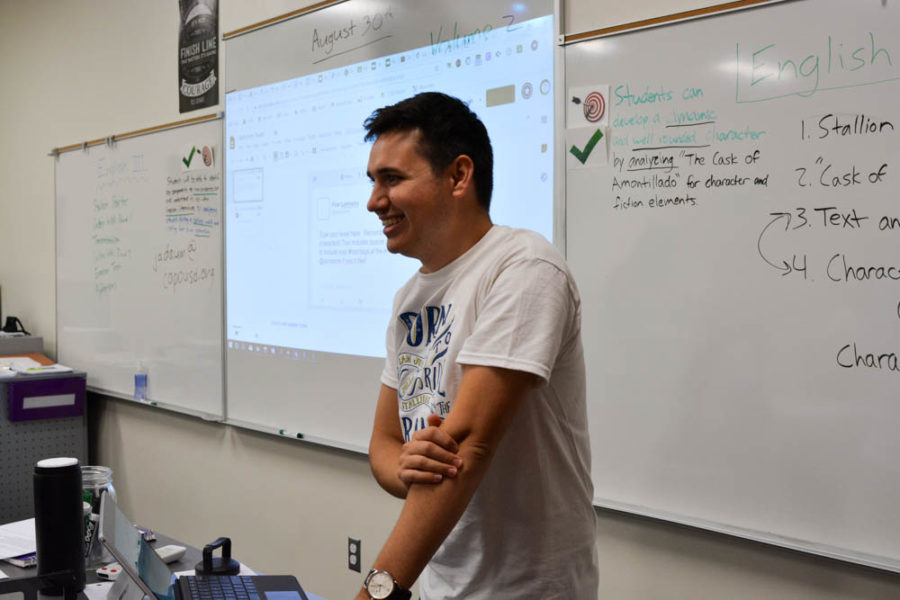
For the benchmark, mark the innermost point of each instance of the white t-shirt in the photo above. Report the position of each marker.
(508, 302)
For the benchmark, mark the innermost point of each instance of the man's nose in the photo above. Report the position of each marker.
(377, 200)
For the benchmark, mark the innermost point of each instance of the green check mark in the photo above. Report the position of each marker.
(190, 157)
(582, 155)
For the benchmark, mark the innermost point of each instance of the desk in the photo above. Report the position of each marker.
(186, 563)
(191, 557)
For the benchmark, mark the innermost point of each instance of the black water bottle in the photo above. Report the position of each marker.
(58, 525)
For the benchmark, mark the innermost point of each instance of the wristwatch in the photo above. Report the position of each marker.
(381, 585)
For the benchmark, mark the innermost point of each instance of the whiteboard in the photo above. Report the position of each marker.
(329, 396)
(139, 266)
(738, 254)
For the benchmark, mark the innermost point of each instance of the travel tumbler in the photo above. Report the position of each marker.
(58, 523)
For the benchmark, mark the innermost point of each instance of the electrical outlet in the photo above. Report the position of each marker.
(354, 555)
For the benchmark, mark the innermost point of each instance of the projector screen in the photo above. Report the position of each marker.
(309, 283)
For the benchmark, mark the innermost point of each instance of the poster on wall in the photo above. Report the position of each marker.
(198, 54)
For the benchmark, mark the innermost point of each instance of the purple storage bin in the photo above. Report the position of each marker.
(32, 398)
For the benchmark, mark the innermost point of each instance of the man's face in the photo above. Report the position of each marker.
(412, 202)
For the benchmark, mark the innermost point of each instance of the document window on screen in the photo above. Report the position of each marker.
(307, 268)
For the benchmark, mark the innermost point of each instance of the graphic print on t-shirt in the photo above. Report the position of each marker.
(421, 366)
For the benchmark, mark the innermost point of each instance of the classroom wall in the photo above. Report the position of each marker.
(85, 69)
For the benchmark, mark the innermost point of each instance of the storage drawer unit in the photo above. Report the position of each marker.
(41, 416)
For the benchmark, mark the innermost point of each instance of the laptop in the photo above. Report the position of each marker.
(157, 582)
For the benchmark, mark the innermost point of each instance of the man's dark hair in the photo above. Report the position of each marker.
(448, 129)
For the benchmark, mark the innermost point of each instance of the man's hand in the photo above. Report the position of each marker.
(429, 456)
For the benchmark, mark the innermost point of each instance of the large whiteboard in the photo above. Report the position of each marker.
(139, 266)
(329, 397)
(742, 337)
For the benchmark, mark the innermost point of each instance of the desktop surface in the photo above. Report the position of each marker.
(186, 563)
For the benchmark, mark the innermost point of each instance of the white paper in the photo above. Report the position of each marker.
(43, 369)
(18, 363)
(97, 591)
(17, 538)
(587, 148)
(29, 366)
(587, 106)
(245, 571)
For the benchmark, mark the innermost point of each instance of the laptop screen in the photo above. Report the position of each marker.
(137, 559)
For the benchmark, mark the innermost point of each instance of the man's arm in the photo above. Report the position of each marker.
(427, 458)
(487, 401)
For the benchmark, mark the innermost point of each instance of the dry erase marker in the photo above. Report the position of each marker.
(292, 434)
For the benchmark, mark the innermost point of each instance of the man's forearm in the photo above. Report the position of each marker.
(429, 514)
(383, 458)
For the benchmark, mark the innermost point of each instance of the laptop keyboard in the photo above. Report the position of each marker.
(222, 587)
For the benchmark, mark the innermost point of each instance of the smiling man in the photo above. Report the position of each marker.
(481, 420)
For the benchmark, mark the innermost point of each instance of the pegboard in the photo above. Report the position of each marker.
(22, 444)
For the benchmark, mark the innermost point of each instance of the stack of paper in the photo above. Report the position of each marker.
(17, 539)
(11, 365)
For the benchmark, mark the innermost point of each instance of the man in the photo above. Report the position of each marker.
(481, 421)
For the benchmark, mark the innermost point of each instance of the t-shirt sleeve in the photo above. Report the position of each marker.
(523, 320)
(389, 374)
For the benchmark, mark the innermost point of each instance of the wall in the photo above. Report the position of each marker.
(84, 69)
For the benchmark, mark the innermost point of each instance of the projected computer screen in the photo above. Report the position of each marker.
(306, 265)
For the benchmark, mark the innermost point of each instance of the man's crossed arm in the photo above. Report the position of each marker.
(454, 454)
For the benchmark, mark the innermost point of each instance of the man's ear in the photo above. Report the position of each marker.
(461, 173)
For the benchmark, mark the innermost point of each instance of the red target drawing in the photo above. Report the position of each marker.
(594, 107)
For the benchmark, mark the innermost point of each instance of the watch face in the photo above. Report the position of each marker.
(380, 585)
